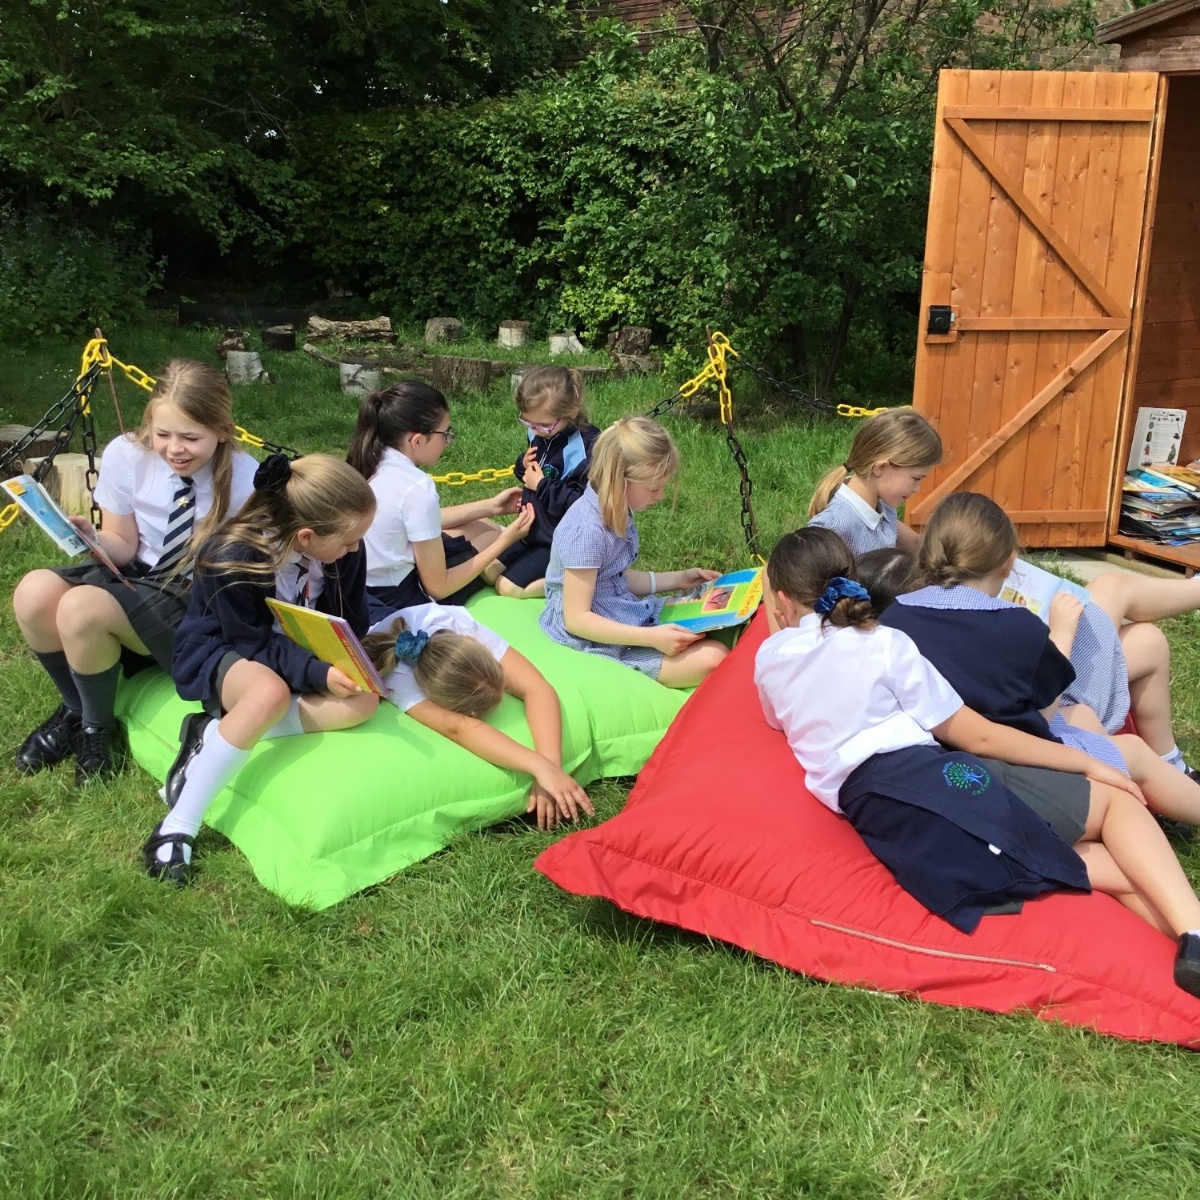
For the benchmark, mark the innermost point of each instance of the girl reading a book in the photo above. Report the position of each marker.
(416, 550)
(594, 600)
(889, 457)
(553, 473)
(447, 671)
(965, 813)
(161, 491)
(297, 539)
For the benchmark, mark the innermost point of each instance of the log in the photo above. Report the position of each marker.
(244, 366)
(279, 337)
(450, 373)
(514, 333)
(231, 339)
(565, 343)
(359, 378)
(309, 348)
(378, 329)
(640, 364)
(10, 435)
(443, 329)
(630, 339)
(66, 481)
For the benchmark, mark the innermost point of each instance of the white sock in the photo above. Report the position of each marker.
(215, 764)
(1174, 756)
(289, 724)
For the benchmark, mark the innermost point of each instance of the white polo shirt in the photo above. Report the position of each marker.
(843, 695)
(406, 511)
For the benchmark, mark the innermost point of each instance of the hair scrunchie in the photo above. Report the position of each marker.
(840, 588)
(273, 473)
(409, 645)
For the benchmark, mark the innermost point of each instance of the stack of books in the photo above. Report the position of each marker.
(1161, 504)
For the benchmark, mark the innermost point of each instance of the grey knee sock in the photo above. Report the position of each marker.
(55, 665)
(99, 695)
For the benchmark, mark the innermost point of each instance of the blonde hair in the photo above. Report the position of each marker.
(317, 492)
(560, 389)
(455, 672)
(631, 450)
(900, 436)
(968, 537)
(202, 395)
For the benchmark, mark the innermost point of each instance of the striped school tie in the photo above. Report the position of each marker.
(179, 529)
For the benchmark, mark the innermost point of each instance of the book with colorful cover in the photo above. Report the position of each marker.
(729, 600)
(1033, 588)
(331, 640)
(37, 504)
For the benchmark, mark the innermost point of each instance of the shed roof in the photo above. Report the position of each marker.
(1143, 19)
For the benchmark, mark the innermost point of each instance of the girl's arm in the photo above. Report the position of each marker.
(479, 510)
(440, 581)
(579, 589)
(668, 581)
(907, 538)
(118, 534)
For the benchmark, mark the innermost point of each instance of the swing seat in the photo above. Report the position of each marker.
(325, 815)
(721, 837)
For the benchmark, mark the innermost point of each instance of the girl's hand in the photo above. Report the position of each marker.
(507, 501)
(533, 471)
(340, 684)
(83, 525)
(696, 575)
(1100, 772)
(673, 639)
(1065, 614)
(517, 529)
(556, 796)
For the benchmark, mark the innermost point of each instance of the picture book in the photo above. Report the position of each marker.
(1033, 588)
(331, 639)
(1157, 436)
(730, 600)
(37, 504)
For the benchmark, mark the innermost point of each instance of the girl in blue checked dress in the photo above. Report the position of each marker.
(594, 601)
(962, 828)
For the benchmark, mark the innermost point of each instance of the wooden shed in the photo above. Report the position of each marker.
(1061, 287)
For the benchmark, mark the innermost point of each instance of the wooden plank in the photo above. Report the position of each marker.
(1046, 516)
(1172, 294)
(1017, 112)
(1174, 357)
(1165, 55)
(1036, 324)
(1181, 556)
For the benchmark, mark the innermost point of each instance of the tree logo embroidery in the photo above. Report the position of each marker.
(967, 776)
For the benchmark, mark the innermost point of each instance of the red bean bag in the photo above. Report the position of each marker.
(721, 837)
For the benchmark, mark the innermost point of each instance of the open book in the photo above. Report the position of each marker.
(41, 507)
(1033, 588)
(332, 641)
(730, 600)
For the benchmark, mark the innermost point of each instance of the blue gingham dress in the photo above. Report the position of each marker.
(583, 541)
(963, 598)
(1101, 673)
(843, 517)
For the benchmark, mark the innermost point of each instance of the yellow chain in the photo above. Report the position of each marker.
(8, 515)
(486, 475)
(853, 411)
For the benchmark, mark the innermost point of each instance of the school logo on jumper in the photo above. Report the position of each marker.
(967, 776)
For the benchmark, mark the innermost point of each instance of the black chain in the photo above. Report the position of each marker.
(276, 448)
(60, 417)
(746, 488)
(93, 473)
(663, 406)
(817, 403)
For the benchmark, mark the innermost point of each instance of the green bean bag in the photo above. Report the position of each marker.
(325, 815)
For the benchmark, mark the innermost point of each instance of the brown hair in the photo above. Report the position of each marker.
(455, 672)
(560, 389)
(804, 563)
(886, 573)
(968, 537)
(384, 417)
(202, 395)
(900, 436)
(318, 492)
(631, 450)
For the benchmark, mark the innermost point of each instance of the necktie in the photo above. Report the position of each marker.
(179, 528)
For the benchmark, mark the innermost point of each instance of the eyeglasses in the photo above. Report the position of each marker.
(541, 430)
(449, 433)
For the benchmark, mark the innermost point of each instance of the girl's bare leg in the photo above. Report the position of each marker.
(323, 714)
(531, 591)
(481, 533)
(1143, 598)
(35, 605)
(1105, 876)
(1168, 791)
(93, 627)
(1148, 658)
(693, 665)
(1082, 716)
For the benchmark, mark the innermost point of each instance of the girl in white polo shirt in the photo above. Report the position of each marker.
(864, 714)
(418, 551)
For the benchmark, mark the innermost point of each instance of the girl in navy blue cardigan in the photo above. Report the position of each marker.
(297, 539)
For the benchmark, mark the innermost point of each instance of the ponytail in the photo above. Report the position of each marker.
(830, 482)
(968, 537)
(815, 568)
(386, 416)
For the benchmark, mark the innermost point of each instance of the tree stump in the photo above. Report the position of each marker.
(244, 366)
(443, 329)
(593, 375)
(231, 339)
(379, 329)
(565, 343)
(629, 339)
(66, 481)
(514, 333)
(450, 373)
(279, 337)
(359, 378)
(640, 364)
(10, 435)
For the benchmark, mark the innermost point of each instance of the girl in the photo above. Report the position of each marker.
(890, 455)
(1000, 658)
(447, 671)
(593, 601)
(864, 712)
(554, 472)
(401, 430)
(298, 539)
(162, 490)
(885, 574)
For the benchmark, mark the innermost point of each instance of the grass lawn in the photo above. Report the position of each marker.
(466, 1029)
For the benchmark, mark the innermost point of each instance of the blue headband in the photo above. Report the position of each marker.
(839, 588)
(409, 645)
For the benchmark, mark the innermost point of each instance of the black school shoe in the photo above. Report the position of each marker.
(191, 738)
(176, 869)
(51, 742)
(98, 754)
(1187, 963)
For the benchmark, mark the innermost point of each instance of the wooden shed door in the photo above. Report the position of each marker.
(1036, 211)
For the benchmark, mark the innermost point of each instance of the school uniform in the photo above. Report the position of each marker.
(1101, 672)
(583, 542)
(433, 618)
(407, 510)
(228, 619)
(860, 526)
(857, 707)
(564, 458)
(137, 482)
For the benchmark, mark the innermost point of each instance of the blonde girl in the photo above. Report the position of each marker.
(161, 491)
(447, 671)
(889, 457)
(553, 472)
(594, 601)
(297, 539)
(416, 550)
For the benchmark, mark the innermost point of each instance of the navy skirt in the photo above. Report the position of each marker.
(383, 601)
(953, 836)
